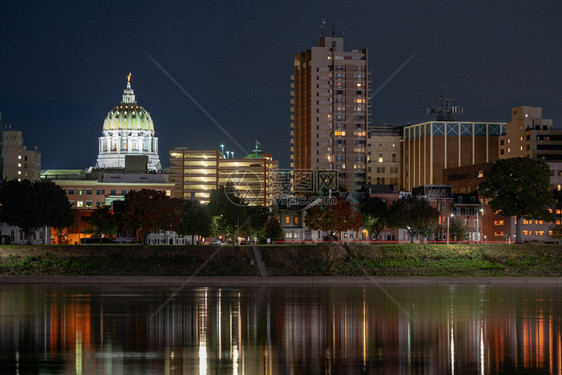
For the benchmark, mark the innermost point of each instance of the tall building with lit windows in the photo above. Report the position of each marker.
(196, 172)
(331, 109)
(383, 154)
(17, 162)
(530, 135)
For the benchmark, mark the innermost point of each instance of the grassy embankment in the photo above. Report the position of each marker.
(311, 260)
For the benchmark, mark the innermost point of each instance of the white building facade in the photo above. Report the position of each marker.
(128, 129)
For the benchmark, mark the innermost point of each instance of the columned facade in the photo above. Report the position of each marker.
(128, 130)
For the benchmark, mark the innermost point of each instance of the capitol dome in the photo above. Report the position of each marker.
(128, 129)
(128, 117)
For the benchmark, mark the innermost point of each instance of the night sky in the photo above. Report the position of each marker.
(63, 65)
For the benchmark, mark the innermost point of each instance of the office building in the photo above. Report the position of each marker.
(331, 109)
(430, 147)
(383, 154)
(17, 162)
(528, 134)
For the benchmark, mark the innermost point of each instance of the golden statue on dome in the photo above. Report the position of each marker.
(129, 79)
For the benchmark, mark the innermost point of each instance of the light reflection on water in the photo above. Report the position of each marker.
(280, 330)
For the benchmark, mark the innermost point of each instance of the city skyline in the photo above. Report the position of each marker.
(65, 66)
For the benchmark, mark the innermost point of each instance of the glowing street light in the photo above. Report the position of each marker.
(448, 227)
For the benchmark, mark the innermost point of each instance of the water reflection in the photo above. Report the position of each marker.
(280, 330)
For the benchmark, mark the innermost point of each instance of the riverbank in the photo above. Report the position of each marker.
(286, 262)
(241, 281)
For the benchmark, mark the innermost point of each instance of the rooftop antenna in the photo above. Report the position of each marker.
(322, 24)
(333, 26)
(341, 28)
(446, 112)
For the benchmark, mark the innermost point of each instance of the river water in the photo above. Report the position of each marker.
(280, 330)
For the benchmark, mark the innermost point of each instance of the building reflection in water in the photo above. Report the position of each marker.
(280, 330)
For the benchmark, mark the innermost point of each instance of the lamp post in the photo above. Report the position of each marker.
(478, 226)
(448, 227)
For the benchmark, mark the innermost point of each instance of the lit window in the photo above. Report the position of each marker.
(19, 157)
(497, 234)
(80, 192)
(296, 220)
(80, 204)
(19, 165)
(19, 172)
(88, 203)
(287, 220)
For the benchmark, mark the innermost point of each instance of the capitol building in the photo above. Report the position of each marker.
(128, 129)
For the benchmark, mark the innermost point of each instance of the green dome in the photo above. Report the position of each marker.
(128, 117)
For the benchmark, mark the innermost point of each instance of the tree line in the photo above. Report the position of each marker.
(515, 187)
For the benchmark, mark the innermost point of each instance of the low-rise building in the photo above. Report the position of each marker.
(441, 198)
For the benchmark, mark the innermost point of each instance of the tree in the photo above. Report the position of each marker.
(415, 215)
(373, 213)
(519, 187)
(256, 221)
(333, 218)
(56, 209)
(228, 208)
(101, 221)
(148, 210)
(273, 229)
(458, 231)
(557, 232)
(30, 205)
(195, 220)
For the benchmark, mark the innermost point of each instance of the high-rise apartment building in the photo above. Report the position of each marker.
(331, 108)
(17, 162)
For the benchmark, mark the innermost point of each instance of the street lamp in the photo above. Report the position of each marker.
(448, 227)
(478, 226)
